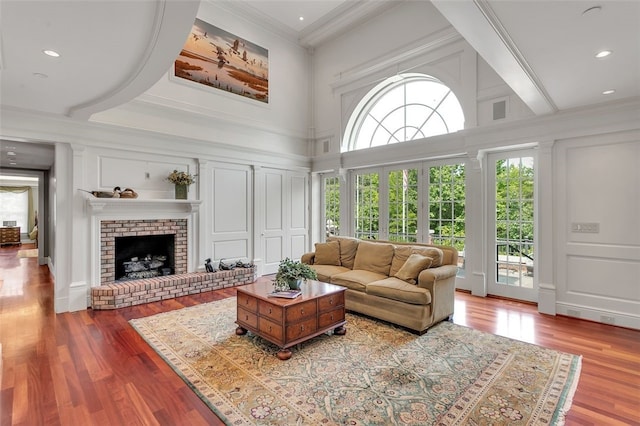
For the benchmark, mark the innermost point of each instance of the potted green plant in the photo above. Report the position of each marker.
(291, 273)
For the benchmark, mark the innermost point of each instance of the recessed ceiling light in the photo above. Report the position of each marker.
(603, 54)
(11, 153)
(301, 18)
(51, 53)
(608, 92)
(40, 75)
(12, 163)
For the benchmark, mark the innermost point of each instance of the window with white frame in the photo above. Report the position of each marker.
(331, 195)
(447, 208)
(403, 108)
(14, 207)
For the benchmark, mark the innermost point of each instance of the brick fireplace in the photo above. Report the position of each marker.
(110, 230)
(113, 218)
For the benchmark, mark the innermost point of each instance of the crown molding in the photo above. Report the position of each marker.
(342, 19)
(431, 43)
(243, 10)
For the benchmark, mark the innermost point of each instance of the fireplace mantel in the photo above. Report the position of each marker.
(100, 206)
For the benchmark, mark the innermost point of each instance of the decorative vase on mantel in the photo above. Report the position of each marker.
(181, 191)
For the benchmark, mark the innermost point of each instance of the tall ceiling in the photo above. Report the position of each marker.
(113, 51)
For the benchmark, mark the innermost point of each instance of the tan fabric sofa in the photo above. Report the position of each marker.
(408, 284)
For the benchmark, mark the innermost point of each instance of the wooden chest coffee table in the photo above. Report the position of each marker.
(287, 322)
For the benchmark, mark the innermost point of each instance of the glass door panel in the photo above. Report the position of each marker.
(366, 207)
(403, 205)
(512, 226)
(447, 208)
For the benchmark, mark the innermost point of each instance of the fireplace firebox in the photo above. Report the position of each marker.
(144, 256)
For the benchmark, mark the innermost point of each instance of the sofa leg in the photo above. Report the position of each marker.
(450, 318)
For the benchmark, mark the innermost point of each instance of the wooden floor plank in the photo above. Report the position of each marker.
(92, 367)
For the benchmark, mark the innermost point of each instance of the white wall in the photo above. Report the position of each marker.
(176, 106)
(597, 182)
(587, 159)
(218, 135)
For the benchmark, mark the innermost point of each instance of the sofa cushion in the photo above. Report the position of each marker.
(396, 289)
(348, 248)
(412, 267)
(374, 257)
(433, 252)
(356, 279)
(325, 272)
(400, 256)
(327, 253)
(402, 252)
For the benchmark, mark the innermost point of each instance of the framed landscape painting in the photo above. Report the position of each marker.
(216, 58)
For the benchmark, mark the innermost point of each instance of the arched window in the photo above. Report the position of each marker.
(403, 108)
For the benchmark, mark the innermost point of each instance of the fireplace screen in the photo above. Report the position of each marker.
(144, 256)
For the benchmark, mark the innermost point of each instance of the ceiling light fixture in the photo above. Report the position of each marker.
(609, 92)
(51, 53)
(603, 54)
(301, 18)
(40, 75)
(12, 163)
(11, 153)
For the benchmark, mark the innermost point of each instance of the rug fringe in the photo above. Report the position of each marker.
(568, 400)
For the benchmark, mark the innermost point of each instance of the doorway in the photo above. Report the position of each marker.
(511, 225)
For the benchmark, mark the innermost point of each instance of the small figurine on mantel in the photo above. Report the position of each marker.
(105, 194)
(116, 193)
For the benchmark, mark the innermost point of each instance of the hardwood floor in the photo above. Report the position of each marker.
(92, 368)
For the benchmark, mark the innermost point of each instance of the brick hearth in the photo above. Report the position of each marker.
(137, 292)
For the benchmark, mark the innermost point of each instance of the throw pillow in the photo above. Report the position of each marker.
(400, 255)
(412, 267)
(433, 252)
(348, 249)
(327, 253)
(374, 257)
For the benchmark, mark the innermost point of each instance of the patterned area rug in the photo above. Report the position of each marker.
(27, 253)
(376, 374)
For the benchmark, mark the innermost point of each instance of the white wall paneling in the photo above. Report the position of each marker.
(298, 205)
(599, 272)
(283, 226)
(272, 221)
(229, 198)
(144, 173)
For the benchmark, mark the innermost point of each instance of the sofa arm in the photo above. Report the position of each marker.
(430, 275)
(441, 283)
(308, 258)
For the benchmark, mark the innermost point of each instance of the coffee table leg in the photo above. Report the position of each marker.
(284, 354)
(241, 331)
(340, 331)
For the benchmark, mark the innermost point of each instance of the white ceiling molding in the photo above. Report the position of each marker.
(243, 10)
(479, 25)
(431, 43)
(342, 19)
(171, 26)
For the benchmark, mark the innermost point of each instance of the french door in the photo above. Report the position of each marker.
(386, 204)
(511, 225)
